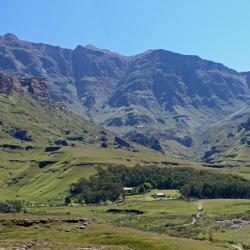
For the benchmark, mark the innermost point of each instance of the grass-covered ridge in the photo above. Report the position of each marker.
(45, 148)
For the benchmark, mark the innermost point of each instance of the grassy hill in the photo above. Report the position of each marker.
(44, 147)
(60, 147)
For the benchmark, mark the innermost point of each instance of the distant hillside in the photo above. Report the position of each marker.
(170, 98)
(227, 142)
(45, 147)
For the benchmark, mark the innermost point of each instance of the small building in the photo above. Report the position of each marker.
(159, 195)
(127, 189)
(140, 126)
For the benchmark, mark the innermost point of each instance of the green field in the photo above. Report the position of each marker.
(157, 214)
(171, 217)
(149, 196)
(101, 236)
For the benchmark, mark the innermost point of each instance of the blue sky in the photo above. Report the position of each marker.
(218, 30)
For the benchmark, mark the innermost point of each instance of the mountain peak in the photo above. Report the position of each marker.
(91, 46)
(10, 36)
(99, 51)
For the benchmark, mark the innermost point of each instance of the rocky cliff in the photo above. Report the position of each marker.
(157, 92)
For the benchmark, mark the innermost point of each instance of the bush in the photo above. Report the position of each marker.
(16, 205)
(6, 208)
(143, 188)
(11, 206)
(67, 200)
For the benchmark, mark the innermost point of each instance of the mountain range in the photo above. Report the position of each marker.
(172, 103)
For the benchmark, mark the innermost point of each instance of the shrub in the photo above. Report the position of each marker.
(6, 208)
(16, 205)
(67, 200)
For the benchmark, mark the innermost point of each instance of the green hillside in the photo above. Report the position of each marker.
(45, 148)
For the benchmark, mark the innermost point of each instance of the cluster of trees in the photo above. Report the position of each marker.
(11, 207)
(100, 187)
(107, 184)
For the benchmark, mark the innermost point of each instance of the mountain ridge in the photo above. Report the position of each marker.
(158, 93)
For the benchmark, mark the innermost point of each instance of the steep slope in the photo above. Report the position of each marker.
(52, 63)
(45, 148)
(157, 89)
(97, 75)
(167, 97)
(229, 144)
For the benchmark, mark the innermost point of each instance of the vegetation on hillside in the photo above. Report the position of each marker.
(11, 206)
(107, 184)
(45, 147)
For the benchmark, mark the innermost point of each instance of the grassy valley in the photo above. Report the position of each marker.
(221, 224)
(45, 149)
(166, 168)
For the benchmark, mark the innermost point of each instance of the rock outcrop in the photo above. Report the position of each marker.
(36, 86)
(119, 142)
(6, 83)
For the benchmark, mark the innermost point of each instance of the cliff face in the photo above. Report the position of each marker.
(156, 79)
(157, 91)
(51, 63)
(34, 86)
(97, 74)
(6, 83)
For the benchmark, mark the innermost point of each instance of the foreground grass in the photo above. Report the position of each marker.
(171, 217)
(138, 231)
(67, 236)
(157, 216)
(221, 209)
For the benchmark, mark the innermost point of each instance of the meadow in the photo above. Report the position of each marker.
(94, 236)
(176, 218)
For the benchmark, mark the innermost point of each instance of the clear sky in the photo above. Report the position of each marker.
(218, 30)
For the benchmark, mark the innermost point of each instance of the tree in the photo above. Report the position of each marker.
(16, 205)
(67, 201)
(108, 183)
(6, 208)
